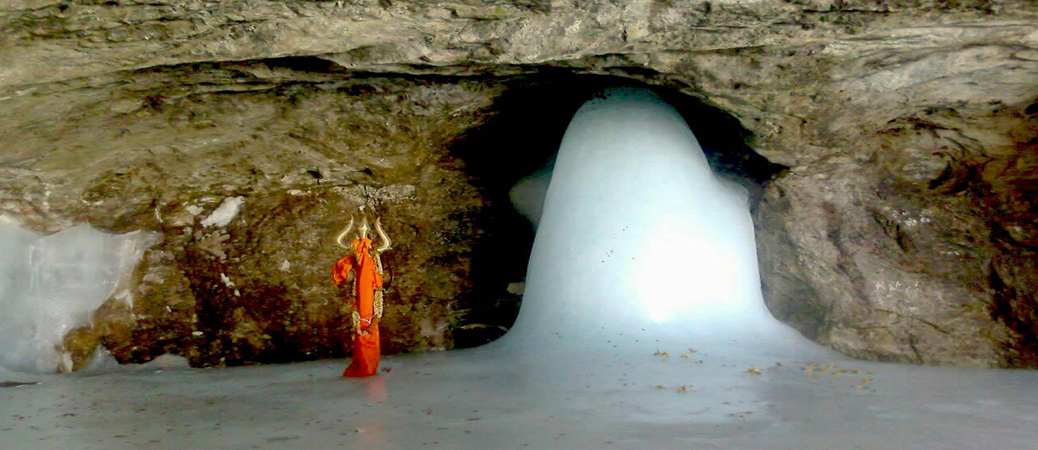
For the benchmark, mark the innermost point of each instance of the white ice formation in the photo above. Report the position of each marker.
(640, 240)
(50, 285)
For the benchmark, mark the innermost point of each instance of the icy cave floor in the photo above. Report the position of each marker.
(488, 398)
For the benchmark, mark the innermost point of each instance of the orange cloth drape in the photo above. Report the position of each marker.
(365, 339)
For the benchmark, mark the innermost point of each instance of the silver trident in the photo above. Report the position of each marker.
(362, 232)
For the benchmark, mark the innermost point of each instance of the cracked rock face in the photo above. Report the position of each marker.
(904, 255)
(904, 228)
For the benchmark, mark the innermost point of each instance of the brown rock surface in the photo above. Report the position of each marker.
(903, 230)
(902, 252)
(259, 289)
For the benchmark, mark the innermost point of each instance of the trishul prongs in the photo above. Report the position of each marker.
(344, 233)
(362, 231)
(386, 243)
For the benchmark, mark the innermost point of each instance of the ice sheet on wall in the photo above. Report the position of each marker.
(50, 285)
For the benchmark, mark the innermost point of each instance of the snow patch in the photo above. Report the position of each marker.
(224, 213)
(226, 280)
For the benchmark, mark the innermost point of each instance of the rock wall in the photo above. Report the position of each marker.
(297, 160)
(902, 254)
(902, 230)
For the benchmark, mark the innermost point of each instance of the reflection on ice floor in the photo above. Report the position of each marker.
(486, 398)
(642, 327)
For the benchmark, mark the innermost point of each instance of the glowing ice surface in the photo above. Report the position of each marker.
(638, 233)
(642, 328)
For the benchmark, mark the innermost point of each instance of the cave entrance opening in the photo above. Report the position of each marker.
(511, 157)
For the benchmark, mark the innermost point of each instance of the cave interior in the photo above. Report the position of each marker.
(174, 174)
(729, 380)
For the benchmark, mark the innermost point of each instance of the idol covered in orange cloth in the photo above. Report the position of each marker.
(367, 294)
